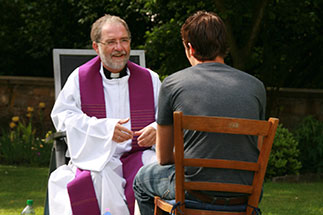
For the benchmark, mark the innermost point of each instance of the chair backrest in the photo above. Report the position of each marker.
(265, 130)
(66, 60)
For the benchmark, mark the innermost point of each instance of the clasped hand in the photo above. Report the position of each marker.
(146, 136)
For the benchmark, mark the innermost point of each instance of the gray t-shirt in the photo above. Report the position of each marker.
(214, 89)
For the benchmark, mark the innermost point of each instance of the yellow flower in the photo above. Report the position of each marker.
(48, 134)
(30, 109)
(41, 105)
(29, 115)
(12, 125)
(41, 145)
(33, 148)
(15, 118)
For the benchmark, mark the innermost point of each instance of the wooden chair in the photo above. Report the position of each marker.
(265, 130)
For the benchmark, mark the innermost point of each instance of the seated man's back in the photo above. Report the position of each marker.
(214, 89)
(210, 88)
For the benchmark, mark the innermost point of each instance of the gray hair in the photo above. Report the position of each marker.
(98, 24)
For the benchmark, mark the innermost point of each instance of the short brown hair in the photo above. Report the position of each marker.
(206, 32)
(98, 24)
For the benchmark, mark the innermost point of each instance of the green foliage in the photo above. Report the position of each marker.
(22, 143)
(283, 159)
(29, 30)
(309, 134)
(164, 49)
(274, 51)
(166, 60)
(288, 45)
(280, 42)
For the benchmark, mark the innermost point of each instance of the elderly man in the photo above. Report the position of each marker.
(107, 108)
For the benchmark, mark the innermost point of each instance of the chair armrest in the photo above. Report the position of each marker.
(56, 135)
(59, 147)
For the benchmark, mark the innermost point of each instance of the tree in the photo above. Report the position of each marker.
(31, 29)
(291, 42)
(278, 41)
(268, 39)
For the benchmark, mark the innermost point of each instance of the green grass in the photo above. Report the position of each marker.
(292, 198)
(17, 184)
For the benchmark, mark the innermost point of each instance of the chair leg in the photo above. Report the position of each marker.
(157, 210)
(46, 208)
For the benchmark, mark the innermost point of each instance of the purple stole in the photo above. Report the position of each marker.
(142, 113)
(82, 194)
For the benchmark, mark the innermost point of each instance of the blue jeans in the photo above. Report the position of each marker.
(153, 180)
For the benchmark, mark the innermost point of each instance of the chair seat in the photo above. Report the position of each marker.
(206, 206)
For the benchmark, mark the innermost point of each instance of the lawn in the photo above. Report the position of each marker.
(292, 199)
(17, 184)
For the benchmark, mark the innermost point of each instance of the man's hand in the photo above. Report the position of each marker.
(121, 133)
(147, 136)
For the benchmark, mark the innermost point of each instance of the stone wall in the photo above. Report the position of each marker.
(17, 93)
(292, 105)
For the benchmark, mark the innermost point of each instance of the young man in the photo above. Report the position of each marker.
(107, 108)
(211, 88)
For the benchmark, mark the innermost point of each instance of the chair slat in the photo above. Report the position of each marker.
(189, 211)
(163, 205)
(221, 187)
(226, 125)
(218, 163)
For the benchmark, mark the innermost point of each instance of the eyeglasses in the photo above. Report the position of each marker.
(114, 43)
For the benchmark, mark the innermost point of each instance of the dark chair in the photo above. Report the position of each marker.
(65, 61)
(265, 130)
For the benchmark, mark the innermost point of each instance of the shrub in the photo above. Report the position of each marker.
(309, 134)
(22, 144)
(283, 159)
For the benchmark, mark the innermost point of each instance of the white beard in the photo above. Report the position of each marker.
(107, 60)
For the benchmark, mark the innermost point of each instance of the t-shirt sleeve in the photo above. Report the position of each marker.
(262, 101)
(165, 109)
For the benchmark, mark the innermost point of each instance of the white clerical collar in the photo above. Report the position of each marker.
(111, 75)
(114, 75)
